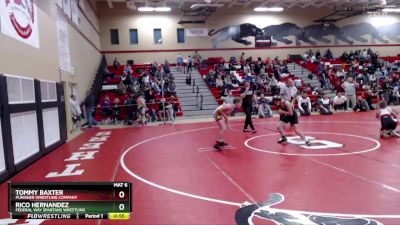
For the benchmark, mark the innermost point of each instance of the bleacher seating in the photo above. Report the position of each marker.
(110, 85)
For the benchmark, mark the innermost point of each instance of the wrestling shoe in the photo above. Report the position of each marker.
(221, 143)
(217, 146)
(282, 140)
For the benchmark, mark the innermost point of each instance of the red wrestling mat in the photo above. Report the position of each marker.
(348, 176)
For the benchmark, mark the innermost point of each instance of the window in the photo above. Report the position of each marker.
(157, 36)
(133, 36)
(114, 36)
(181, 35)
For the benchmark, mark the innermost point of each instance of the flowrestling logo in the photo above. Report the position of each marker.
(264, 210)
(22, 16)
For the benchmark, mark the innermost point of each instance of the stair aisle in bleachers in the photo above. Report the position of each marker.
(190, 94)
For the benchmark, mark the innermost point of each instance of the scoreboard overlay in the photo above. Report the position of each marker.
(70, 200)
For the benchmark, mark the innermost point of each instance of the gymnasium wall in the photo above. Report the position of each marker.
(123, 19)
(42, 63)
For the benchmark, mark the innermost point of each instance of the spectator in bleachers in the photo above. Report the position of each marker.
(304, 104)
(159, 74)
(128, 69)
(121, 88)
(288, 91)
(116, 64)
(153, 68)
(108, 74)
(170, 107)
(179, 62)
(116, 109)
(313, 59)
(106, 106)
(228, 81)
(242, 58)
(264, 110)
(76, 113)
(155, 87)
(361, 105)
(318, 55)
(166, 67)
(324, 105)
(196, 59)
(130, 103)
(323, 79)
(345, 56)
(141, 109)
(306, 56)
(189, 64)
(172, 87)
(350, 87)
(329, 54)
(219, 83)
(340, 102)
(145, 78)
(125, 79)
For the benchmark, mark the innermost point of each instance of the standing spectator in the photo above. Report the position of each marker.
(116, 64)
(166, 67)
(130, 108)
(361, 105)
(128, 69)
(340, 101)
(179, 61)
(190, 64)
(90, 106)
(263, 107)
(247, 95)
(196, 59)
(288, 91)
(304, 104)
(76, 113)
(169, 106)
(241, 58)
(349, 87)
(324, 105)
(106, 106)
(116, 108)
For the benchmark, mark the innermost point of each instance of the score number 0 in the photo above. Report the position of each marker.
(121, 194)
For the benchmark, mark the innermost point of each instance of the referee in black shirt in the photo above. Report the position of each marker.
(247, 95)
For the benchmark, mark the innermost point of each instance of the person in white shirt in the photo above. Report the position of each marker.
(288, 91)
(340, 101)
(350, 87)
(324, 105)
(304, 104)
(76, 113)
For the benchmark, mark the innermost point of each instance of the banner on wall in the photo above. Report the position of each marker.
(59, 3)
(74, 11)
(19, 21)
(196, 32)
(67, 8)
(63, 44)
